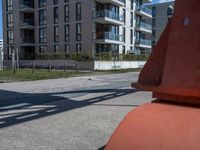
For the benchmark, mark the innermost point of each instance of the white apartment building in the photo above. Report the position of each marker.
(76, 26)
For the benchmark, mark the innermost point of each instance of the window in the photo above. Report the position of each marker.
(9, 5)
(56, 34)
(10, 37)
(154, 22)
(42, 17)
(78, 32)
(43, 49)
(154, 11)
(42, 35)
(66, 1)
(78, 11)
(124, 34)
(55, 2)
(55, 15)
(132, 19)
(42, 3)
(131, 36)
(66, 13)
(78, 48)
(67, 33)
(132, 4)
(67, 51)
(56, 48)
(124, 15)
(10, 20)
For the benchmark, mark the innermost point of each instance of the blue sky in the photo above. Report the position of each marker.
(1, 34)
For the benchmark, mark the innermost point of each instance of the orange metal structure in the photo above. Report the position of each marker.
(172, 73)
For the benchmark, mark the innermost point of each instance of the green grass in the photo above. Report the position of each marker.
(40, 74)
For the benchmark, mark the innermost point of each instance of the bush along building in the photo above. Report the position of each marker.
(75, 29)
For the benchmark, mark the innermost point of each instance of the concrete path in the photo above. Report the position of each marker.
(77, 113)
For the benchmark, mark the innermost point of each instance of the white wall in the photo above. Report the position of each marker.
(109, 65)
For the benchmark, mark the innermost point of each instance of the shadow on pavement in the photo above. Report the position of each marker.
(17, 108)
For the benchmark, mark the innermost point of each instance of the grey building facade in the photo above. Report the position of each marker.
(161, 12)
(87, 27)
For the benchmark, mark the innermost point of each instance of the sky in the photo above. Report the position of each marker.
(1, 34)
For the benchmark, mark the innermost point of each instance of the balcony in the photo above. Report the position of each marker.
(144, 11)
(144, 27)
(143, 43)
(27, 24)
(27, 6)
(114, 2)
(107, 16)
(108, 37)
(27, 41)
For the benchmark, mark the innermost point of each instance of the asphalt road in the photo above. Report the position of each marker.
(65, 114)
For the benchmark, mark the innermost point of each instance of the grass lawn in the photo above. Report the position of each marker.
(40, 74)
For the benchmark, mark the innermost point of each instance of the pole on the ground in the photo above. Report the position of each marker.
(14, 68)
(65, 67)
(77, 66)
(50, 66)
(33, 67)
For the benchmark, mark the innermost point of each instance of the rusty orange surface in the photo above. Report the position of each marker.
(172, 73)
(158, 127)
(174, 66)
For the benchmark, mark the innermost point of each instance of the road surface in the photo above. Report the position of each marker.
(78, 113)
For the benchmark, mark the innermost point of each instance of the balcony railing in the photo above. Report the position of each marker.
(108, 14)
(143, 42)
(144, 26)
(145, 10)
(123, 1)
(109, 36)
(27, 40)
(27, 23)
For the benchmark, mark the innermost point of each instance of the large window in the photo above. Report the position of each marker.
(42, 3)
(67, 37)
(42, 35)
(56, 34)
(154, 11)
(42, 17)
(55, 15)
(9, 5)
(66, 13)
(55, 2)
(10, 20)
(78, 31)
(78, 11)
(10, 37)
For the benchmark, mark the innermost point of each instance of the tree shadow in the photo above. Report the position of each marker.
(17, 108)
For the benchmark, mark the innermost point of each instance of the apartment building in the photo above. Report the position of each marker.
(88, 27)
(161, 12)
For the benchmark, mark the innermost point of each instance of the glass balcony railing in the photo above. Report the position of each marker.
(27, 23)
(108, 14)
(109, 36)
(27, 40)
(123, 1)
(143, 42)
(145, 10)
(144, 26)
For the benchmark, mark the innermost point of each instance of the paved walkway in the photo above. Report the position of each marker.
(77, 113)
